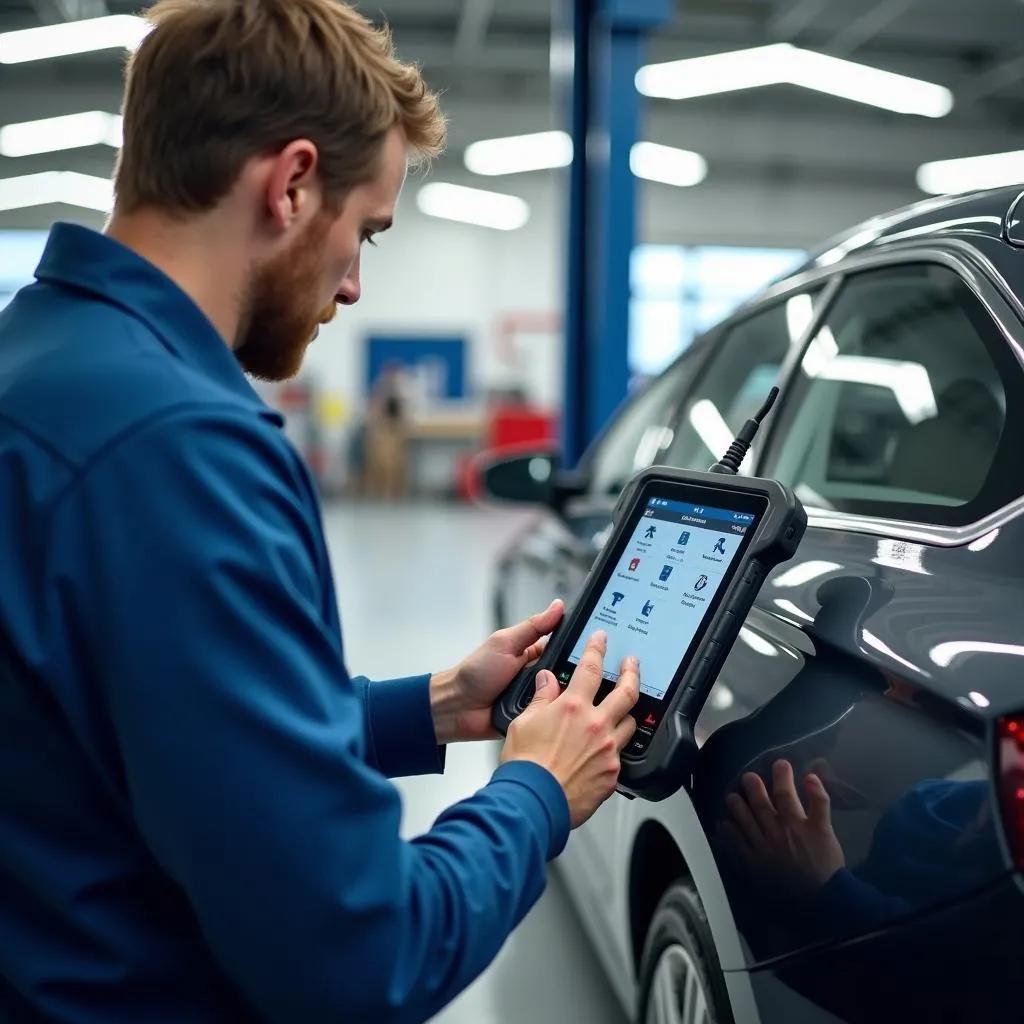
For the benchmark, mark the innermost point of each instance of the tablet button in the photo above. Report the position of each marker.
(711, 652)
(726, 629)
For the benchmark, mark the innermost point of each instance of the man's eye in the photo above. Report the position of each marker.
(368, 238)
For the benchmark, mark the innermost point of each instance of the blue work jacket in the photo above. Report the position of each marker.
(196, 823)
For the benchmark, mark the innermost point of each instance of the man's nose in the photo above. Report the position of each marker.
(351, 289)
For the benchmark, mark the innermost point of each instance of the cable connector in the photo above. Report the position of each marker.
(733, 458)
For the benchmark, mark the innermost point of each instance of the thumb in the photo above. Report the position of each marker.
(547, 688)
(819, 805)
(521, 637)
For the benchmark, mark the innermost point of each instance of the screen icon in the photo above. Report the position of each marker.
(702, 582)
(684, 539)
(651, 531)
(617, 597)
(647, 609)
(665, 573)
(720, 546)
(650, 721)
(634, 565)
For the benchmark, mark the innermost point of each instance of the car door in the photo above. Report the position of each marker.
(899, 419)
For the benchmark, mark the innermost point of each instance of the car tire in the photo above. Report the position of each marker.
(681, 981)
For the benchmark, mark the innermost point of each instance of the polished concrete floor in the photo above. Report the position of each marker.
(413, 583)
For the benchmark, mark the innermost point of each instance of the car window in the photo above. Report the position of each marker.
(736, 382)
(899, 408)
(642, 430)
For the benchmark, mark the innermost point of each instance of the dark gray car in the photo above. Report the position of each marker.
(885, 659)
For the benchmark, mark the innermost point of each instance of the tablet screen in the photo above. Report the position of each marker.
(664, 586)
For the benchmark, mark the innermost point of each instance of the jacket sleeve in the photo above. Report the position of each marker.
(185, 569)
(400, 727)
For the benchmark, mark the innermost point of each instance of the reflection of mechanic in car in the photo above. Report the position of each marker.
(935, 842)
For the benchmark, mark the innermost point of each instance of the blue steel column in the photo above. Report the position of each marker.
(607, 40)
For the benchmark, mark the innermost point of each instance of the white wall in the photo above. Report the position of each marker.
(429, 275)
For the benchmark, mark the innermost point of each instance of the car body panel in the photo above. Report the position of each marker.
(878, 657)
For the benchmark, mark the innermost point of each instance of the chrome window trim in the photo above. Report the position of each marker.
(918, 533)
(1007, 312)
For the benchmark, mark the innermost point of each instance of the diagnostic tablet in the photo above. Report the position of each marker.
(684, 563)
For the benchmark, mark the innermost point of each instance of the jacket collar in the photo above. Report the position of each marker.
(81, 258)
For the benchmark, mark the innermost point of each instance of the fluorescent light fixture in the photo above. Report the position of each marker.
(113, 32)
(473, 206)
(785, 64)
(667, 165)
(520, 153)
(949, 177)
(68, 187)
(54, 134)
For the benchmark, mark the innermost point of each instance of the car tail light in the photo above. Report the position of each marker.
(1010, 766)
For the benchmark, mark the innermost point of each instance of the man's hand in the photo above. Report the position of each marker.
(461, 699)
(776, 838)
(579, 742)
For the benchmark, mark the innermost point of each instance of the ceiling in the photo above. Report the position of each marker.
(491, 58)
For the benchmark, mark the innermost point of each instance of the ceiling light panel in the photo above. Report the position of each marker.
(473, 206)
(785, 64)
(667, 165)
(520, 153)
(55, 134)
(70, 188)
(47, 42)
(949, 177)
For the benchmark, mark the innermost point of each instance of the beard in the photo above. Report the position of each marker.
(280, 319)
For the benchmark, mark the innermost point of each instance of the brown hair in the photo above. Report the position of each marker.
(218, 82)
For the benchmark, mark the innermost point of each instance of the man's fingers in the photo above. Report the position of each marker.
(618, 704)
(624, 732)
(787, 800)
(819, 806)
(760, 803)
(546, 688)
(534, 653)
(520, 638)
(589, 673)
(745, 820)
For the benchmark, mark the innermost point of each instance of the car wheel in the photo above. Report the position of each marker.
(680, 979)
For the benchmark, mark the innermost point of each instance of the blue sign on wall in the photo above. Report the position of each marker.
(441, 359)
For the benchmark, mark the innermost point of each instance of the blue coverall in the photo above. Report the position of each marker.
(196, 824)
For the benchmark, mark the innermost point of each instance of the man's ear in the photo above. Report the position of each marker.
(292, 186)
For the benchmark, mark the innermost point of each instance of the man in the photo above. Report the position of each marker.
(195, 820)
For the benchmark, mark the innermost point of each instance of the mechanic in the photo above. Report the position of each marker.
(196, 823)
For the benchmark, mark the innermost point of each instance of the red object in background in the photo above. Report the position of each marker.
(519, 426)
(510, 429)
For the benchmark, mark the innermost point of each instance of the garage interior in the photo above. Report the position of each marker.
(527, 311)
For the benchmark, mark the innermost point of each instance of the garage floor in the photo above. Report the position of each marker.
(413, 583)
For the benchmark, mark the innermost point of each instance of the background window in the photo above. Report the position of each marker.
(680, 292)
(900, 403)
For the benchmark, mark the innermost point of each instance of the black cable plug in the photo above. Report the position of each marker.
(733, 458)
